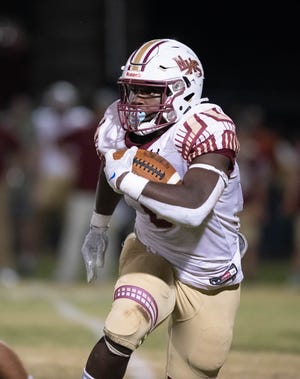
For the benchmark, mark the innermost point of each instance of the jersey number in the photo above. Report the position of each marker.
(158, 222)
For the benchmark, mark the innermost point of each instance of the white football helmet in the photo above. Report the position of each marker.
(168, 67)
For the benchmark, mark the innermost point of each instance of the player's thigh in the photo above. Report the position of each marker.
(135, 258)
(144, 295)
(201, 330)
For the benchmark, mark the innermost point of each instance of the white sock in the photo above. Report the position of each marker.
(85, 375)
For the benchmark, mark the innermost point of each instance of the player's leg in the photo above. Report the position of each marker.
(107, 360)
(144, 297)
(201, 331)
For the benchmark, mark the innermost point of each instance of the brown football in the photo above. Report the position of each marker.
(152, 166)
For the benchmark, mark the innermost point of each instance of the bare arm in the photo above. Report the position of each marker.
(188, 203)
(196, 186)
(106, 199)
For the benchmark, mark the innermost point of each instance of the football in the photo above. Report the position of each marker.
(152, 166)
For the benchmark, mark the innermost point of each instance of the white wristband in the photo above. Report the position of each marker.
(133, 185)
(99, 220)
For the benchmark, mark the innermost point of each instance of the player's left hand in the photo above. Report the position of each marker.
(114, 168)
(93, 251)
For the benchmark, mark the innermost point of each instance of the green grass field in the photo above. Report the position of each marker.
(53, 327)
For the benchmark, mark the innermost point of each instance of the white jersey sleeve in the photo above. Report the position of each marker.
(205, 131)
(109, 134)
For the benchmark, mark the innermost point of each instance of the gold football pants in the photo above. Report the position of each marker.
(200, 323)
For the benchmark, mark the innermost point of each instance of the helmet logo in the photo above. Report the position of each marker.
(188, 65)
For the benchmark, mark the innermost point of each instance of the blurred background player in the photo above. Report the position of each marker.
(80, 203)
(59, 114)
(10, 153)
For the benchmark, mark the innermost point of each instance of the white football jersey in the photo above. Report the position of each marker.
(206, 256)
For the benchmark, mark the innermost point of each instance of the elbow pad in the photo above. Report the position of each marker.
(191, 217)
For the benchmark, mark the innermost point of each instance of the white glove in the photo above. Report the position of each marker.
(131, 184)
(116, 167)
(94, 248)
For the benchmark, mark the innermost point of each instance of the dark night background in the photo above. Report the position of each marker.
(249, 50)
(250, 54)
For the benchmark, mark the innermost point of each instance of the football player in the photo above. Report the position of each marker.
(183, 259)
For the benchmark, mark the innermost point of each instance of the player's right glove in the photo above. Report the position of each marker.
(116, 167)
(131, 185)
(95, 245)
